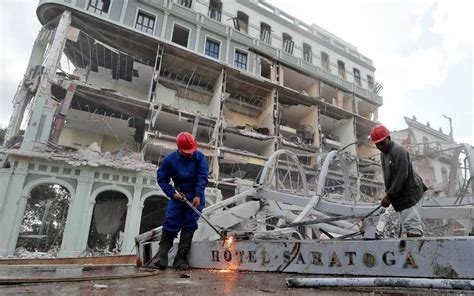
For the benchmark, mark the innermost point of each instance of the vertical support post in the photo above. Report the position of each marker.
(73, 243)
(132, 224)
(198, 35)
(156, 73)
(22, 98)
(44, 108)
(62, 113)
(165, 24)
(11, 214)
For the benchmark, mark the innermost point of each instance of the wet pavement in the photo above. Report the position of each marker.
(169, 282)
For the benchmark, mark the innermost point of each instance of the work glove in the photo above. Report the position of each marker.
(179, 197)
(196, 202)
(386, 201)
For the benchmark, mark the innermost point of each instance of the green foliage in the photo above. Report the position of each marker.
(58, 199)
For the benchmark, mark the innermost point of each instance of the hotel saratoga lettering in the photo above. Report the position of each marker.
(330, 259)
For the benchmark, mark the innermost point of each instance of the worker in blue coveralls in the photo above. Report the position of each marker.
(188, 168)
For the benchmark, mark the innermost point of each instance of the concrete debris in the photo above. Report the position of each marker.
(99, 287)
(22, 253)
(94, 147)
(90, 156)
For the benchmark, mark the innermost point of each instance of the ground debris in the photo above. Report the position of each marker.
(99, 287)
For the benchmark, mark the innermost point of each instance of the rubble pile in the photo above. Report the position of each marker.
(92, 156)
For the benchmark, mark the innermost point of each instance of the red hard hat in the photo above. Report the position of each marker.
(379, 133)
(186, 143)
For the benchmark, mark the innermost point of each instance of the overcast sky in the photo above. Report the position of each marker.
(423, 52)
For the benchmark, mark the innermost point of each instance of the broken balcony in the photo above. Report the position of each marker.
(337, 97)
(114, 122)
(249, 106)
(189, 83)
(107, 66)
(299, 82)
(366, 109)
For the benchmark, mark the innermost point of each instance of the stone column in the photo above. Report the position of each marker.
(72, 243)
(11, 213)
(44, 108)
(134, 214)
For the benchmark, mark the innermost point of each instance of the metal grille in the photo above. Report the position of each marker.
(145, 22)
(240, 60)
(99, 6)
(212, 48)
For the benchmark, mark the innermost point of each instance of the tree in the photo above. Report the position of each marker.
(55, 198)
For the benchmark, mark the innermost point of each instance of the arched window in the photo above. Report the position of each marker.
(288, 43)
(107, 223)
(341, 69)
(241, 22)
(265, 33)
(215, 10)
(44, 219)
(153, 213)
(325, 61)
(307, 53)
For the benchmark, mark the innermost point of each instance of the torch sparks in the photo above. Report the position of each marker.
(228, 241)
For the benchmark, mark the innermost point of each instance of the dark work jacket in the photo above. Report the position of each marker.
(404, 187)
(188, 174)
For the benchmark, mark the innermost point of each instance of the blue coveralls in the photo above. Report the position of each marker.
(190, 176)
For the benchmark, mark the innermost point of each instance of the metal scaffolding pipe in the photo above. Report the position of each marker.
(381, 282)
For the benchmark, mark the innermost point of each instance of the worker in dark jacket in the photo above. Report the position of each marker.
(188, 169)
(403, 187)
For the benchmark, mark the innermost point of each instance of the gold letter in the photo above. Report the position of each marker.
(351, 261)
(316, 258)
(265, 260)
(386, 261)
(215, 256)
(252, 256)
(409, 260)
(241, 255)
(334, 260)
(369, 260)
(227, 255)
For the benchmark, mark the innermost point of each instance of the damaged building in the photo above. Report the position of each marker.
(110, 84)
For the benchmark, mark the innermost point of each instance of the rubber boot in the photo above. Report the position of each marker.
(166, 242)
(181, 259)
(414, 234)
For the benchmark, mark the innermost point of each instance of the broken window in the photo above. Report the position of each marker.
(370, 82)
(325, 61)
(44, 219)
(240, 60)
(241, 22)
(180, 35)
(265, 68)
(153, 213)
(212, 48)
(186, 3)
(99, 6)
(265, 32)
(215, 10)
(288, 43)
(88, 53)
(341, 69)
(107, 223)
(145, 22)
(357, 77)
(307, 54)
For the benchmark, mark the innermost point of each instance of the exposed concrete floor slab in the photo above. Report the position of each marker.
(169, 282)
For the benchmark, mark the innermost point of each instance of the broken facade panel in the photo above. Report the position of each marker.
(109, 98)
